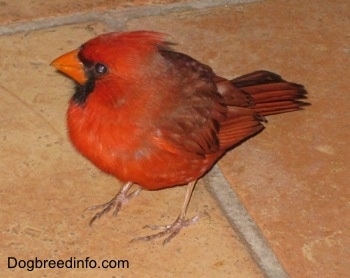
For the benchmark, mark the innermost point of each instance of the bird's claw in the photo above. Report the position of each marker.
(105, 208)
(120, 199)
(171, 230)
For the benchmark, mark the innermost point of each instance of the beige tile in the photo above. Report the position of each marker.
(19, 10)
(292, 177)
(46, 185)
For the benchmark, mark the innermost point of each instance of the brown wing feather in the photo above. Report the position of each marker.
(191, 126)
(239, 124)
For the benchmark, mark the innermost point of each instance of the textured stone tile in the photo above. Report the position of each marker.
(46, 185)
(292, 177)
(16, 10)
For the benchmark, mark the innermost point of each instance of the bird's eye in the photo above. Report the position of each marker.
(100, 68)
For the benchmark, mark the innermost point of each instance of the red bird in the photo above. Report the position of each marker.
(151, 116)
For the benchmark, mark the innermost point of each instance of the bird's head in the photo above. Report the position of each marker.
(110, 57)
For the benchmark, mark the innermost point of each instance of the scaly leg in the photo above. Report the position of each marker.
(173, 229)
(120, 199)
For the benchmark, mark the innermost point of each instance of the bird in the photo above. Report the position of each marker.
(157, 118)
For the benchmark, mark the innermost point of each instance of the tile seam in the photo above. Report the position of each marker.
(113, 18)
(240, 220)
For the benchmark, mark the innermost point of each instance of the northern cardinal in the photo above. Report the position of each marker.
(151, 116)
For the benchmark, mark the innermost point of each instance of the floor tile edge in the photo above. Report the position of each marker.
(243, 224)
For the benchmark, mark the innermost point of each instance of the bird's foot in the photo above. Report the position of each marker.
(171, 230)
(120, 199)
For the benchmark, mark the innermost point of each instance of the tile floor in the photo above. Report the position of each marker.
(291, 178)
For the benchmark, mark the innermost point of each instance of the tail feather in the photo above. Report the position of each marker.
(256, 77)
(271, 94)
(251, 97)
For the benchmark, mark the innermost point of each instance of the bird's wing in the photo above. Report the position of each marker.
(202, 123)
(241, 121)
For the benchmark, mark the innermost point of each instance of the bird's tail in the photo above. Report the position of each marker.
(269, 94)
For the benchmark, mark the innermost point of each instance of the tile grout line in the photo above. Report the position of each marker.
(114, 18)
(243, 224)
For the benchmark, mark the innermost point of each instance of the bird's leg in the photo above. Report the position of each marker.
(120, 199)
(173, 229)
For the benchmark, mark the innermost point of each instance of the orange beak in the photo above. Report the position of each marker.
(70, 65)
